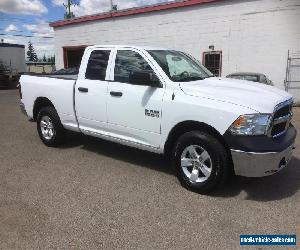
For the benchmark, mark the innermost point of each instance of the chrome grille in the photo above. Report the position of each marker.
(281, 118)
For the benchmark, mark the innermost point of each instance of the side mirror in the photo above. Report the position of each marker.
(144, 78)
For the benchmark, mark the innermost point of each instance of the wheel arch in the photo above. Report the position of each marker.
(190, 125)
(39, 103)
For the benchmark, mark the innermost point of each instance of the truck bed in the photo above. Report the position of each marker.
(57, 88)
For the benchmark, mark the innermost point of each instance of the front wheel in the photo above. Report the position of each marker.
(200, 161)
(49, 127)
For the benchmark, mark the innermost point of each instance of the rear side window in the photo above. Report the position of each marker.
(251, 78)
(128, 61)
(97, 65)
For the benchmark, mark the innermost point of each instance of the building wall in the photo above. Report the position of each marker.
(253, 35)
(40, 68)
(13, 56)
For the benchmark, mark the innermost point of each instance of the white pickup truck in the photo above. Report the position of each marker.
(166, 102)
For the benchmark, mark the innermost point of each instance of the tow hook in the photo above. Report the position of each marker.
(282, 163)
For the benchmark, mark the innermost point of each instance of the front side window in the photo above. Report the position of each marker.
(127, 62)
(97, 65)
(179, 67)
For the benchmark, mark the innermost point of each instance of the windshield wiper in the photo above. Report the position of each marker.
(191, 78)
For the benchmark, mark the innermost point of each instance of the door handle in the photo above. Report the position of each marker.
(81, 89)
(117, 94)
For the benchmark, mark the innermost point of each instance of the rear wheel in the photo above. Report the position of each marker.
(49, 127)
(200, 161)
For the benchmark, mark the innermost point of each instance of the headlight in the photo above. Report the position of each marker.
(255, 124)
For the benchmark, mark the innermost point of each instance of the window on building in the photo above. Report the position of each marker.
(128, 61)
(212, 60)
(97, 65)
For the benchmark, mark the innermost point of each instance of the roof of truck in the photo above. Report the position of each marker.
(131, 11)
(141, 47)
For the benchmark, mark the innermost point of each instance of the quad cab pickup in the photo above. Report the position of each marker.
(166, 102)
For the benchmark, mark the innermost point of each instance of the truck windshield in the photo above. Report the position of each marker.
(179, 66)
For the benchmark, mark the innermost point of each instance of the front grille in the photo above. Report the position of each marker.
(283, 111)
(278, 128)
(281, 118)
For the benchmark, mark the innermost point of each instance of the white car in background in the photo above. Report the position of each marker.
(253, 77)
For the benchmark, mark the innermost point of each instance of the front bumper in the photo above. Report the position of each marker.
(255, 164)
(256, 156)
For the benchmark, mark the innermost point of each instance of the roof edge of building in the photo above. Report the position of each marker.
(11, 45)
(129, 12)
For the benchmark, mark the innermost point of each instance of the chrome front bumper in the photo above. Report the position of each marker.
(254, 164)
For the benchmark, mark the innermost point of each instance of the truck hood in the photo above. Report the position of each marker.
(256, 96)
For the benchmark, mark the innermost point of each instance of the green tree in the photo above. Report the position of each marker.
(44, 58)
(31, 55)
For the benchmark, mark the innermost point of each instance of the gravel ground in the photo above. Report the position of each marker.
(91, 194)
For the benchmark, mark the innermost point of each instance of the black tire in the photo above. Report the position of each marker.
(58, 130)
(219, 161)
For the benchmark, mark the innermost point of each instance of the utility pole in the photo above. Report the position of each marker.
(111, 5)
(69, 14)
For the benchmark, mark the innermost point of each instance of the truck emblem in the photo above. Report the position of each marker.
(152, 113)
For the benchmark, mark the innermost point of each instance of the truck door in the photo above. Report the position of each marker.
(91, 92)
(134, 110)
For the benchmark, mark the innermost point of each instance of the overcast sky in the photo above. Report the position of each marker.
(31, 18)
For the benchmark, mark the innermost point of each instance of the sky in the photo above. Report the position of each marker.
(28, 20)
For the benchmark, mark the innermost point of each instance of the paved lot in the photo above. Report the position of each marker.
(94, 194)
